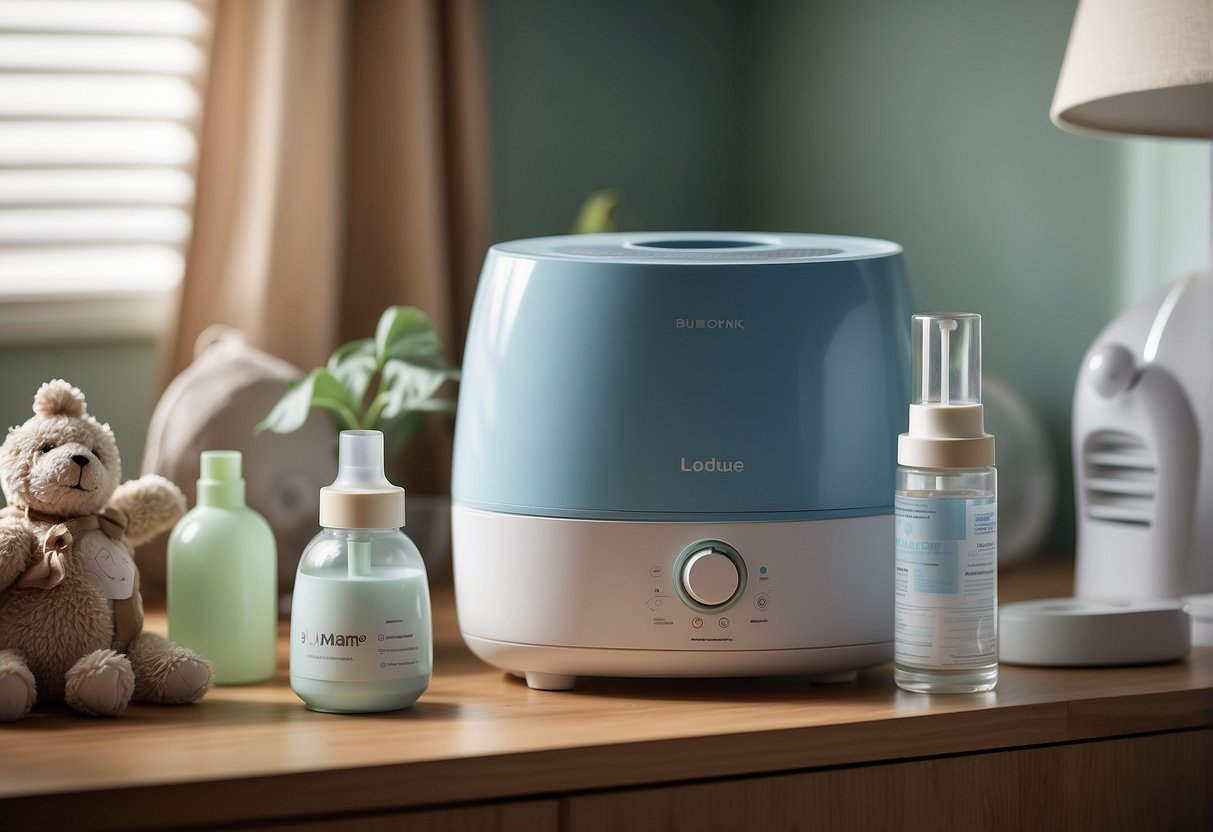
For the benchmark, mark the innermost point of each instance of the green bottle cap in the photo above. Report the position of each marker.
(221, 465)
(220, 483)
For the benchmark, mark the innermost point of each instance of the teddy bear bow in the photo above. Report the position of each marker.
(50, 570)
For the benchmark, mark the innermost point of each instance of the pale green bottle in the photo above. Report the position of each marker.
(223, 577)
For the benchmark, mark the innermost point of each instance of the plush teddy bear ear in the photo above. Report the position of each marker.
(58, 398)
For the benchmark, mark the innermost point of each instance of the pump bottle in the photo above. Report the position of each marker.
(361, 637)
(222, 577)
(946, 513)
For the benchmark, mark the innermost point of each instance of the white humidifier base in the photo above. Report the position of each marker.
(552, 598)
(567, 663)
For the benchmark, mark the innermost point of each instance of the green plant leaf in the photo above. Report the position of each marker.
(601, 211)
(353, 364)
(409, 386)
(435, 406)
(406, 334)
(319, 388)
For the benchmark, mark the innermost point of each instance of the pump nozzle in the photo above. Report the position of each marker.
(946, 422)
(361, 497)
(360, 461)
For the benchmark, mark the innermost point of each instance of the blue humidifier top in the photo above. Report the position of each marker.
(685, 376)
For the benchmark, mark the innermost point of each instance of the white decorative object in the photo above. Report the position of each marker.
(1077, 632)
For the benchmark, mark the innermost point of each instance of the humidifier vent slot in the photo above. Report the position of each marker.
(1121, 479)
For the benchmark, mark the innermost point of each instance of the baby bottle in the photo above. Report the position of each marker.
(361, 638)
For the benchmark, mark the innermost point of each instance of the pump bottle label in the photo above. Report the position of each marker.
(946, 584)
(358, 630)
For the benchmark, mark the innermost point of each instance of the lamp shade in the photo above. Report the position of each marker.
(1143, 67)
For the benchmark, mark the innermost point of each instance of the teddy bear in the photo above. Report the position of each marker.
(71, 617)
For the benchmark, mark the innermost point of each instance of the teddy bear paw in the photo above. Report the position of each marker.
(167, 674)
(100, 684)
(188, 680)
(16, 550)
(17, 691)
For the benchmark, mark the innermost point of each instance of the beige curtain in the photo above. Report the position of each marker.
(343, 168)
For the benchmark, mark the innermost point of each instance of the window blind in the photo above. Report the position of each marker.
(100, 106)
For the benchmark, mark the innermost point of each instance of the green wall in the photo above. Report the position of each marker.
(925, 123)
(639, 95)
(116, 377)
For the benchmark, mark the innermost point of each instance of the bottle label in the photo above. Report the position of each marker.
(359, 630)
(947, 581)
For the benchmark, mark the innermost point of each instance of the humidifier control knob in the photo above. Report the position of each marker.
(710, 577)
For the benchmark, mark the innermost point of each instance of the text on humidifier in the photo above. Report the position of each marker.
(712, 465)
(709, 323)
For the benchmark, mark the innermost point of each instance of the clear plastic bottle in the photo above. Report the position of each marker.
(361, 631)
(946, 507)
(223, 577)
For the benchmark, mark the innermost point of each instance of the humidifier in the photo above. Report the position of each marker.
(675, 455)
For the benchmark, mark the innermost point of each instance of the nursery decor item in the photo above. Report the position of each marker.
(385, 383)
(71, 617)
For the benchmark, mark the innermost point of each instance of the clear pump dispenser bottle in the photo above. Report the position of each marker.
(361, 636)
(947, 518)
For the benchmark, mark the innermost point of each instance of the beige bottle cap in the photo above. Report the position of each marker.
(361, 497)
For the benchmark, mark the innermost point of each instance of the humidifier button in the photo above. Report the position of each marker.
(710, 578)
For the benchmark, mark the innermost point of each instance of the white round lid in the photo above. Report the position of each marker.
(1084, 632)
